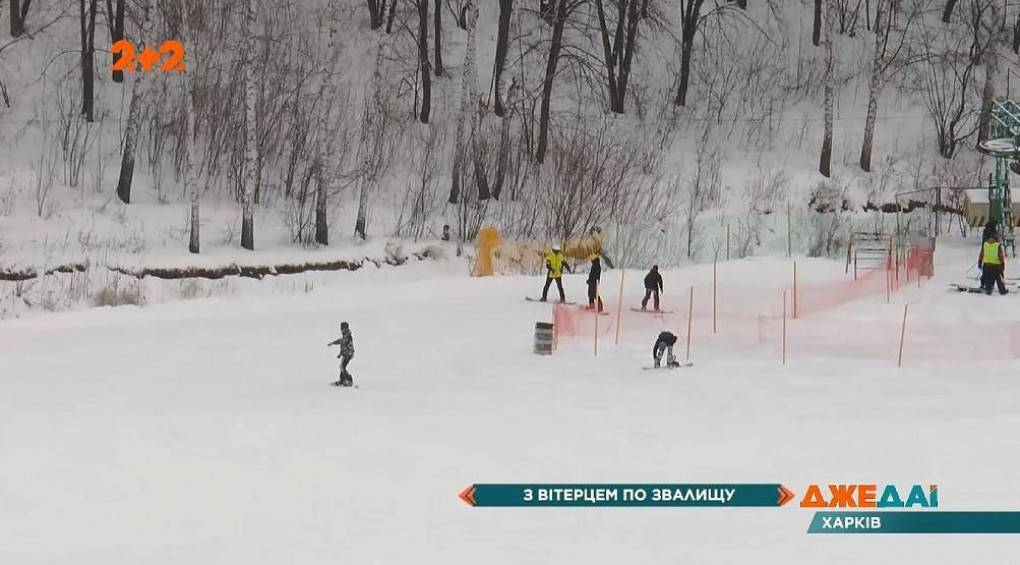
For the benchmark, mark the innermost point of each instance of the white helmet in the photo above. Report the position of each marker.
(556, 248)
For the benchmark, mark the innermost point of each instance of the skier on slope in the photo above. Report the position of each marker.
(664, 344)
(346, 343)
(992, 262)
(594, 276)
(653, 286)
(554, 266)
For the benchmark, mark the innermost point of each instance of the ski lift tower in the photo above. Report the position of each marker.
(1004, 145)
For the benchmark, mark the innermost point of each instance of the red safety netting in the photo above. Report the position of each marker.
(803, 319)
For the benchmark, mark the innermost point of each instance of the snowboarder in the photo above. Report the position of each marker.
(653, 286)
(594, 276)
(664, 344)
(554, 272)
(992, 262)
(346, 343)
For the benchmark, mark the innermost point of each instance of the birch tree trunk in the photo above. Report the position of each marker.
(251, 157)
(471, 77)
(990, 58)
(876, 83)
(191, 169)
(465, 108)
(127, 162)
(372, 140)
(825, 164)
(325, 87)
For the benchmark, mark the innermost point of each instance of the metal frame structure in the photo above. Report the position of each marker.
(1003, 143)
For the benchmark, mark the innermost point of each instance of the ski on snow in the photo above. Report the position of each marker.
(532, 299)
(973, 289)
(651, 311)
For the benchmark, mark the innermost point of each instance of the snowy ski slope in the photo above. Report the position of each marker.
(205, 432)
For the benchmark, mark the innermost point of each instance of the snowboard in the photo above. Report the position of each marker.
(338, 385)
(532, 299)
(587, 311)
(682, 365)
(651, 311)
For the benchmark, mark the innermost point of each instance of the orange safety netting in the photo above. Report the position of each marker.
(804, 319)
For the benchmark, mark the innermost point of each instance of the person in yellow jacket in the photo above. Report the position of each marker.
(554, 266)
(992, 262)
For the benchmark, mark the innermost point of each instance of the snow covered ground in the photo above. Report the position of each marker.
(204, 431)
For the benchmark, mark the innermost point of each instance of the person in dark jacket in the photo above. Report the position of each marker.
(653, 286)
(594, 277)
(346, 343)
(664, 344)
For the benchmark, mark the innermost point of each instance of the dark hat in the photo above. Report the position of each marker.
(344, 326)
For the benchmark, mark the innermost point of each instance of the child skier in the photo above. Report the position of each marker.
(554, 266)
(664, 344)
(346, 343)
(653, 286)
(594, 277)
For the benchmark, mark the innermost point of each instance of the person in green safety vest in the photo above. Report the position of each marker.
(554, 272)
(992, 262)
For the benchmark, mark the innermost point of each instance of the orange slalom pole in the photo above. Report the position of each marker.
(794, 290)
(690, 319)
(715, 291)
(784, 328)
(903, 334)
(596, 311)
(619, 308)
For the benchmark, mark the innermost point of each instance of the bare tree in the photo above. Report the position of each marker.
(391, 16)
(1016, 35)
(563, 10)
(18, 13)
(115, 18)
(438, 42)
(947, 11)
(424, 65)
(816, 26)
(945, 84)
(127, 164)
(693, 14)
(987, 24)
(506, 8)
(825, 163)
(376, 144)
(326, 86)
(886, 57)
(619, 42)
(251, 153)
(87, 19)
(191, 176)
(375, 12)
